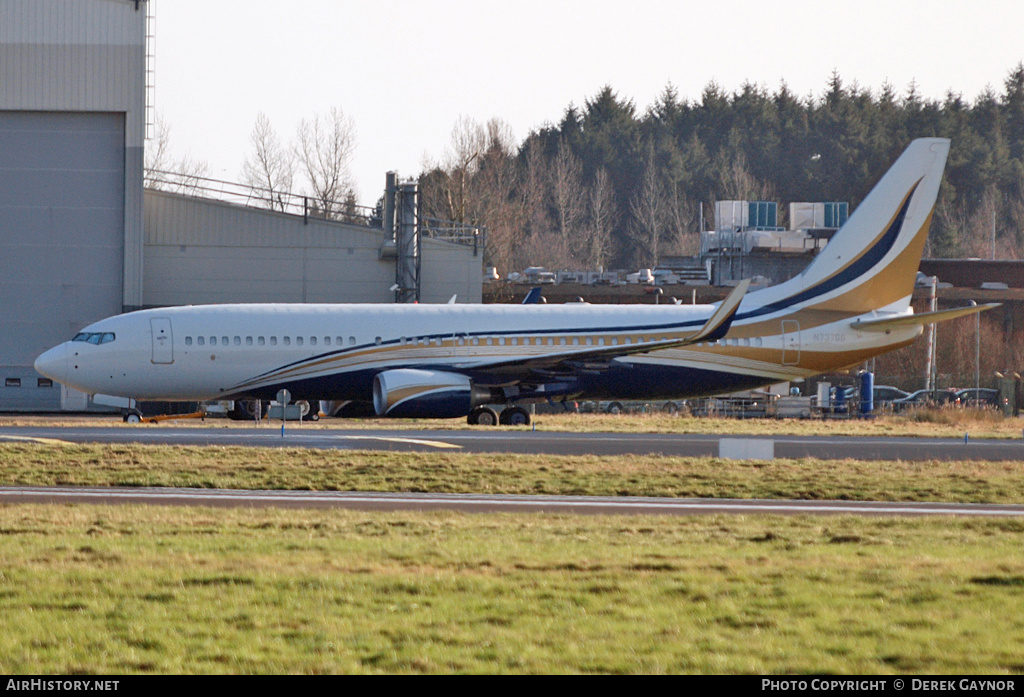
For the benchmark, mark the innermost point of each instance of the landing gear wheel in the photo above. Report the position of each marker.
(482, 416)
(250, 407)
(515, 416)
(132, 417)
(243, 410)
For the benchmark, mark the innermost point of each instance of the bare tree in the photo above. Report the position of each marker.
(567, 195)
(952, 219)
(162, 172)
(190, 175)
(1015, 206)
(649, 213)
(681, 238)
(324, 149)
(478, 182)
(981, 226)
(736, 183)
(600, 220)
(461, 163)
(158, 156)
(492, 200)
(270, 167)
(539, 247)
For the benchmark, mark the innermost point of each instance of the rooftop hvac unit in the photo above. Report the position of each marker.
(827, 214)
(745, 215)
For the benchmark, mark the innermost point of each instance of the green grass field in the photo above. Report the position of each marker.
(88, 589)
(454, 472)
(125, 589)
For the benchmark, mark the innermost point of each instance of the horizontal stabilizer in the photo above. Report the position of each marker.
(918, 319)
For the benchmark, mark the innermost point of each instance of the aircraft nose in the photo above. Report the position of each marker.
(54, 363)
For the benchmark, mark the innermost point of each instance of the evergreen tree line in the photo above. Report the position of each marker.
(615, 187)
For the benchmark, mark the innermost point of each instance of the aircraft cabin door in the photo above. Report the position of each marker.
(163, 344)
(790, 342)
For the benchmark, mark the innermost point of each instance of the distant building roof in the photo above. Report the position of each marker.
(971, 273)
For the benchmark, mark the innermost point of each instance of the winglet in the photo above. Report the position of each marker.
(718, 324)
(533, 297)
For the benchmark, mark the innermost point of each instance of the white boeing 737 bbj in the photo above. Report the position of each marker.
(851, 303)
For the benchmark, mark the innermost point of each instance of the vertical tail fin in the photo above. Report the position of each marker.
(533, 297)
(872, 261)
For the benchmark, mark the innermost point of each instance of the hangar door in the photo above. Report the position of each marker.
(62, 194)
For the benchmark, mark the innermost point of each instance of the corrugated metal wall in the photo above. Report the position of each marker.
(82, 56)
(72, 128)
(203, 251)
(61, 216)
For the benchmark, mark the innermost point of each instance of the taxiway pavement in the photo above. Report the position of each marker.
(489, 503)
(501, 440)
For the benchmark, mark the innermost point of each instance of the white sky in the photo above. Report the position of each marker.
(406, 71)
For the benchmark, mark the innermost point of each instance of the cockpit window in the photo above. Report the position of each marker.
(95, 337)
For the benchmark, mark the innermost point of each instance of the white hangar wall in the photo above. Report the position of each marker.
(72, 127)
(201, 251)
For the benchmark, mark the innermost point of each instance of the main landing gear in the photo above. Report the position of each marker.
(510, 416)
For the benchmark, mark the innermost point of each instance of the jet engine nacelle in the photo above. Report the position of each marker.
(409, 393)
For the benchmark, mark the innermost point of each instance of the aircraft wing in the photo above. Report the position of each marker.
(596, 359)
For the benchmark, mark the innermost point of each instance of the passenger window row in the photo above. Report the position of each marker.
(102, 338)
(264, 341)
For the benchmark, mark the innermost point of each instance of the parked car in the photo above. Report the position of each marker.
(982, 397)
(924, 398)
(885, 395)
(881, 394)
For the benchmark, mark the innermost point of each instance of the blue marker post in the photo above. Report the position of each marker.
(283, 397)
